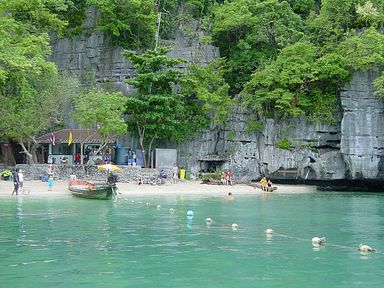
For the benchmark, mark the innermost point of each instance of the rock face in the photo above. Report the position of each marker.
(91, 55)
(362, 133)
(315, 152)
(351, 148)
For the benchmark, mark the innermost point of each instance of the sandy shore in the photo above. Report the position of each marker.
(60, 188)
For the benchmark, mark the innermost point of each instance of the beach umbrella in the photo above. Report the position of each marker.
(109, 168)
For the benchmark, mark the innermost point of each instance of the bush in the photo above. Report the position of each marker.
(284, 144)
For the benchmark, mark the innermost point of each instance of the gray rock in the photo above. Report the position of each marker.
(352, 147)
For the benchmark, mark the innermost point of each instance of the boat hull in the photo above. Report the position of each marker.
(99, 191)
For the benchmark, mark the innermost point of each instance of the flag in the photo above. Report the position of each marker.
(52, 139)
(70, 138)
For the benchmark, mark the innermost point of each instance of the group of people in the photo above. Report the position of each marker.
(163, 176)
(226, 178)
(18, 180)
(266, 185)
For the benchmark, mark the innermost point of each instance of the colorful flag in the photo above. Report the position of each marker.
(70, 138)
(52, 139)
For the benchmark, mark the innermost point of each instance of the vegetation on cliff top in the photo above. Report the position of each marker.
(280, 58)
(287, 58)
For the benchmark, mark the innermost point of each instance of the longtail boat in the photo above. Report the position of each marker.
(90, 190)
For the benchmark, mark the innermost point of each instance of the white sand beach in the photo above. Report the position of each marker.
(60, 188)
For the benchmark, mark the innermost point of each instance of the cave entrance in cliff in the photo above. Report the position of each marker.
(309, 173)
(212, 163)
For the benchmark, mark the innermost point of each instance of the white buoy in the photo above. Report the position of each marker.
(171, 210)
(158, 207)
(209, 221)
(148, 204)
(235, 226)
(366, 248)
(269, 231)
(318, 240)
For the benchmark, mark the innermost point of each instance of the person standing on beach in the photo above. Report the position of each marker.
(50, 183)
(108, 158)
(228, 178)
(15, 177)
(175, 174)
(21, 180)
(51, 170)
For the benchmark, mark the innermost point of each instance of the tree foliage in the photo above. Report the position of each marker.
(28, 98)
(206, 86)
(131, 22)
(157, 111)
(102, 112)
(172, 106)
(305, 76)
(298, 82)
(250, 34)
(280, 57)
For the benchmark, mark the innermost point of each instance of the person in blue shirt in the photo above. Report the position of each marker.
(50, 183)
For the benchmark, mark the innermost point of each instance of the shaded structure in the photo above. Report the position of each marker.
(62, 146)
(212, 162)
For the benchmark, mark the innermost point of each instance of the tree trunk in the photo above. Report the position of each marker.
(26, 152)
(34, 153)
(8, 156)
(141, 140)
(143, 153)
(150, 150)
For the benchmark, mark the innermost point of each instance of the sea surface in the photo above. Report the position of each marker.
(134, 242)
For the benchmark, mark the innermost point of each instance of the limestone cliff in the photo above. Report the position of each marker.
(351, 148)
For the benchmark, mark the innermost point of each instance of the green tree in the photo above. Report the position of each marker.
(37, 16)
(338, 18)
(304, 7)
(299, 82)
(157, 111)
(363, 51)
(304, 80)
(206, 86)
(250, 33)
(35, 110)
(368, 14)
(26, 76)
(101, 111)
(131, 22)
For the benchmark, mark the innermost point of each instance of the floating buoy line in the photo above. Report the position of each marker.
(270, 232)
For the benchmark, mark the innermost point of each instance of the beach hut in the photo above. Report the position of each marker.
(64, 146)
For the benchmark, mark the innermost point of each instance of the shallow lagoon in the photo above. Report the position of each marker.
(70, 242)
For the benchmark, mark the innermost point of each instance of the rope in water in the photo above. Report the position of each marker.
(236, 226)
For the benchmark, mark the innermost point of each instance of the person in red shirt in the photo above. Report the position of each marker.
(228, 178)
(77, 158)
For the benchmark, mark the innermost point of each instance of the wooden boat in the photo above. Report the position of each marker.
(258, 185)
(90, 190)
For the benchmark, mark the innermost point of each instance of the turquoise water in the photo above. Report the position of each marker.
(69, 242)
